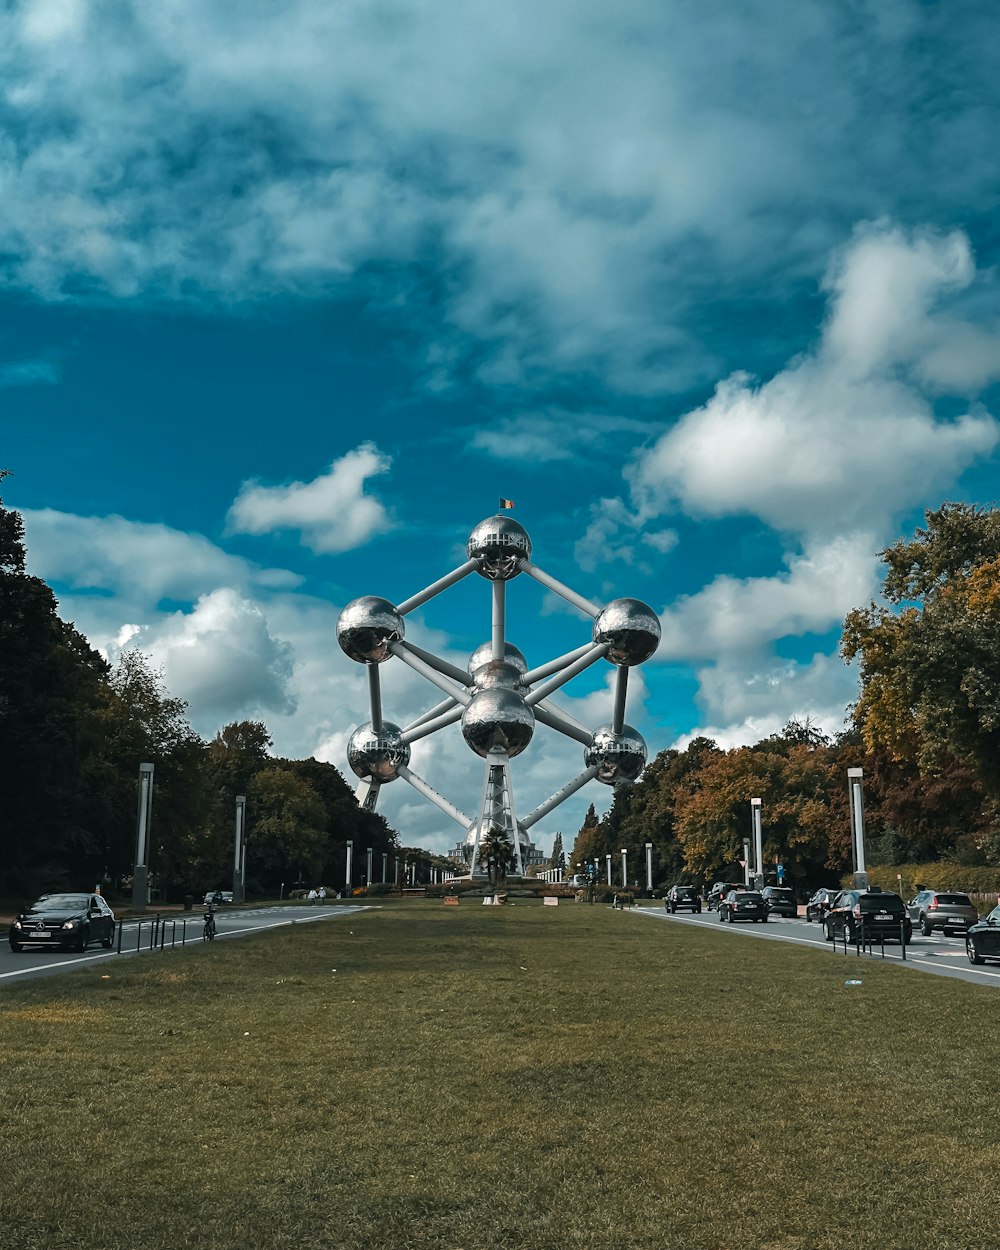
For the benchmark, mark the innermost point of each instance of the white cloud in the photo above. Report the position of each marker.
(812, 596)
(147, 562)
(617, 535)
(332, 512)
(838, 439)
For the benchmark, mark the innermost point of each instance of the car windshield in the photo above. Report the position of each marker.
(748, 896)
(53, 902)
(954, 900)
(780, 893)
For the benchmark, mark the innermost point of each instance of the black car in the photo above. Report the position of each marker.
(719, 891)
(679, 897)
(66, 921)
(877, 914)
(982, 941)
(820, 903)
(780, 900)
(743, 905)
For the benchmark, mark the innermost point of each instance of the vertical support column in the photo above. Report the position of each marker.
(368, 872)
(140, 875)
(649, 868)
(240, 852)
(385, 861)
(855, 783)
(624, 868)
(499, 619)
(349, 871)
(758, 840)
(608, 859)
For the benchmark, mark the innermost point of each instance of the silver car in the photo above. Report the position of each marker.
(949, 911)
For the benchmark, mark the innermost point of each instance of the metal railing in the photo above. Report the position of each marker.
(158, 933)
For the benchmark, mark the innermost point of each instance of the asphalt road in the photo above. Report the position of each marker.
(182, 931)
(943, 956)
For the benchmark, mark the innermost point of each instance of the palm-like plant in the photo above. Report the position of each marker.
(496, 854)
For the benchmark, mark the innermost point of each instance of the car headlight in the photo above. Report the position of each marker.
(16, 924)
(70, 924)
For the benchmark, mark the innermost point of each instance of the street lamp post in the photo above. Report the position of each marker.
(608, 858)
(746, 862)
(140, 875)
(755, 805)
(368, 875)
(240, 852)
(649, 868)
(624, 868)
(385, 860)
(350, 866)
(854, 781)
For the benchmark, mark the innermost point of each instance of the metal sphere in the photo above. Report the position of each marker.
(496, 673)
(631, 627)
(619, 756)
(366, 627)
(378, 754)
(497, 544)
(483, 654)
(500, 719)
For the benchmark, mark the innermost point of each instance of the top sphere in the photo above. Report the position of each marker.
(632, 629)
(497, 544)
(366, 627)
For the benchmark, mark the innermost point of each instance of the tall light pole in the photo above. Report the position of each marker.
(240, 852)
(350, 865)
(624, 868)
(649, 868)
(608, 858)
(755, 805)
(368, 875)
(140, 874)
(854, 782)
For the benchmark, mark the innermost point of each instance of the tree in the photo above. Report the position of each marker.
(930, 664)
(287, 835)
(558, 857)
(496, 854)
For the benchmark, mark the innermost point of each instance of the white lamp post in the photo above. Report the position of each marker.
(240, 852)
(140, 875)
(854, 782)
(608, 858)
(649, 868)
(350, 865)
(755, 805)
(624, 868)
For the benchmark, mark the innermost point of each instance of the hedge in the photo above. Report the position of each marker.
(935, 876)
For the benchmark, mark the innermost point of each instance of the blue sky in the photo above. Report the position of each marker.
(291, 295)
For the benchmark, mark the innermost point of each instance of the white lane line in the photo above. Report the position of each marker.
(63, 963)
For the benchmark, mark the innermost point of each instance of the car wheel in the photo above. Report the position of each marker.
(698, 910)
(721, 914)
(926, 928)
(828, 932)
(673, 909)
(16, 947)
(83, 939)
(973, 954)
(763, 919)
(109, 941)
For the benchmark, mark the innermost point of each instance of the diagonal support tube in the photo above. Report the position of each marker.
(375, 697)
(555, 720)
(435, 588)
(560, 796)
(438, 800)
(423, 727)
(578, 601)
(405, 652)
(621, 690)
(553, 666)
(594, 653)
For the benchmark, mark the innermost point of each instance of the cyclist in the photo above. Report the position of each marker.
(209, 932)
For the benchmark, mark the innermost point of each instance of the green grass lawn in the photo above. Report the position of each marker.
(474, 1078)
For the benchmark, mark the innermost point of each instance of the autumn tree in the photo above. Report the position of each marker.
(930, 662)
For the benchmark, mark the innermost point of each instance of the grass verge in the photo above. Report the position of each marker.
(476, 1078)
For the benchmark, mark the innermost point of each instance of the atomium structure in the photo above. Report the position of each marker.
(498, 699)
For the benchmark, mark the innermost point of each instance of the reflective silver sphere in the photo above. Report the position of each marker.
(631, 627)
(620, 757)
(498, 718)
(497, 544)
(483, 654)
(522, 837)
(377, 755)
(366, 627)
(496, 673)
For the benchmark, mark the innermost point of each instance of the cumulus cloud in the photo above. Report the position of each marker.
(845, 436)
(332, 512)
(146, 562)
(584, 174)
(617, 534)
(812, 595)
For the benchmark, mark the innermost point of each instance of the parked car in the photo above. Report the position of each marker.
(743, 904)
(982, 941)
(950, 912)
(67, 921)
(719, 892)
(872, 913)
(679, 897)
(819, 904)
(218, 896)
(780, 900)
